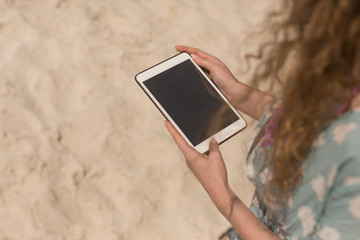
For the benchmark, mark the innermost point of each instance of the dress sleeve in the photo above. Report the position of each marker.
(341, 216)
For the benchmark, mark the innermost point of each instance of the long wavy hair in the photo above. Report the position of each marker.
(313, 54)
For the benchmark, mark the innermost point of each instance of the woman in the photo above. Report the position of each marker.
(304, 156)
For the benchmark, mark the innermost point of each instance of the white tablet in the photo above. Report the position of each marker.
(190, 101)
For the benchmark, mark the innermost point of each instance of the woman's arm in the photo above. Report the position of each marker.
(246, 224)
(249, 100)
(211, 172)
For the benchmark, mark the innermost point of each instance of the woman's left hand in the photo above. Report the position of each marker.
(209, 169)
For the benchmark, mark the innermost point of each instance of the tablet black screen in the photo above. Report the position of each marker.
(191, 101)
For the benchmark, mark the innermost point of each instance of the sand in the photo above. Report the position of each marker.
(83, 152)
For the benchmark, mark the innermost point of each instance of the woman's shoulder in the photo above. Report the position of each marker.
(338, 145)
(342, 135)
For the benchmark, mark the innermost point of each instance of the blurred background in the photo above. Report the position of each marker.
(84, 153)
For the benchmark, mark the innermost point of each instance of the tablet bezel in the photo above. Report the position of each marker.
(220, 136)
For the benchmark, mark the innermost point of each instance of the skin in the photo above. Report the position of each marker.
(210, 169)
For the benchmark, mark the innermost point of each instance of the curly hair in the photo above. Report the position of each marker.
(314, 54)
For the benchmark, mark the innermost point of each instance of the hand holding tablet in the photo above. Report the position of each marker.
(190, 101)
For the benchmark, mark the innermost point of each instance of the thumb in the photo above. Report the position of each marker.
(213, 146)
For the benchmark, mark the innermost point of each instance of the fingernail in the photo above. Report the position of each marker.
(194, 56)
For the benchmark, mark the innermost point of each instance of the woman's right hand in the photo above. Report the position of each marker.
(217, 70)
(247, 99)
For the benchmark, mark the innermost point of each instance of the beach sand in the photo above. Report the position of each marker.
(84, 153)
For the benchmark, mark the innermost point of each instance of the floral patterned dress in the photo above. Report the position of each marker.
(326, 204)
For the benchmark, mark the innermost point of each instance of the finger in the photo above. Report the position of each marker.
(202, 62)
(213, 146)
(181, 48)
(198, 52)
(179, 140)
